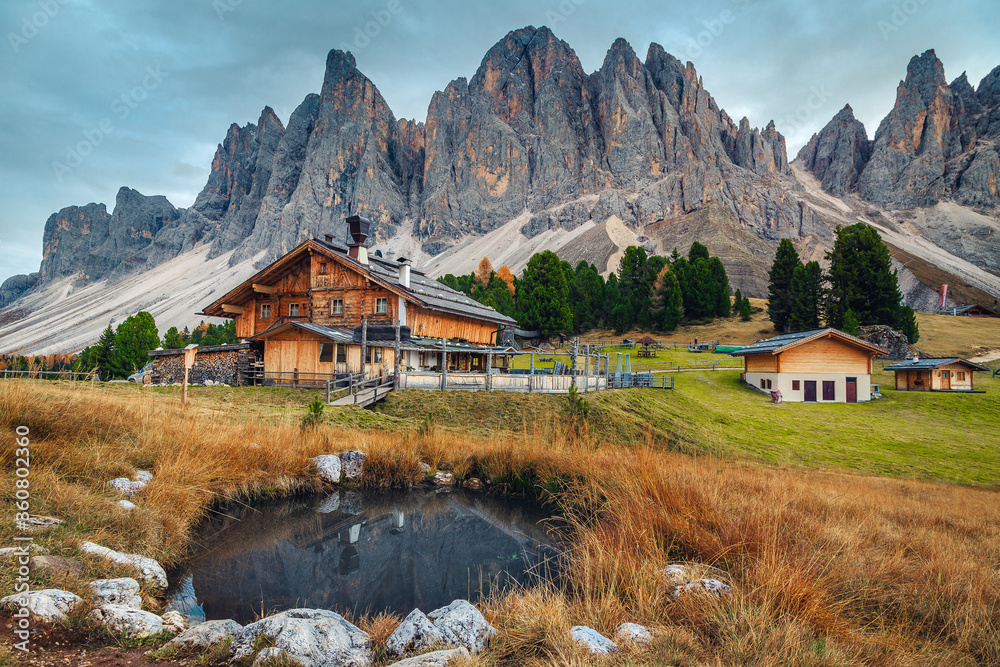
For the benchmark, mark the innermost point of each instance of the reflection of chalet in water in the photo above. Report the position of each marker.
(322, 311)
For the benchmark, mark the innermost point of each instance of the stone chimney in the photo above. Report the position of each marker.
(404, 272)
(358, 228)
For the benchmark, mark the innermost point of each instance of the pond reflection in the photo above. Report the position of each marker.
(374, 551)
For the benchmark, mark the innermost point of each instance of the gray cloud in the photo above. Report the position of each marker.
(224, 60)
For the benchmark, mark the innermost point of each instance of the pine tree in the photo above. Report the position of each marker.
(744, 309)
(720, 287)
(907, 323)
(849, 323)
(670, 299)
(172, 340)
(505, 275)
(586, 296)
(633, 290)
(807, 294)
(134, 337)
(697, 251)
(779, 289)
(862, 279)
(543, 295)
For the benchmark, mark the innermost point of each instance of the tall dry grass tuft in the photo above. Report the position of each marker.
(827, 569)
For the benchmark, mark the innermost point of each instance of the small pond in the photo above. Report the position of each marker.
(362, 551)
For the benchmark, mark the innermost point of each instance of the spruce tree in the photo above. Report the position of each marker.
(670, 300)
(744, 309)
(719, 287)
(779, 289)
(172, 340)
(134, 337)
(697, 251)
(543, 296)
(907, 323)
(862, 279)
(807, 294)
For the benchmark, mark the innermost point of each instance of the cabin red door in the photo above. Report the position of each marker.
(852, 390)
(810, 391)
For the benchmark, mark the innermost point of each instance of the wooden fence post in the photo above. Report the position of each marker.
(586, 373)
(489, 371)
(364, 346)
(444, 364)
(531, 376)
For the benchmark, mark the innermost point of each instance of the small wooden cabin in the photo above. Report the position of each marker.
(819, 366)
(307, 310)
(975, 310)
(948, 374)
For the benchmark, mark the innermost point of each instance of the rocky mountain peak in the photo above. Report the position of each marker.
(838, 153)
(925, 74)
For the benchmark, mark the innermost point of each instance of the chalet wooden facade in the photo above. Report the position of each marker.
(947, 374)
(819, 366)
(322, 311)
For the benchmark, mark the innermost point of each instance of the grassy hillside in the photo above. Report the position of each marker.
(940, 335)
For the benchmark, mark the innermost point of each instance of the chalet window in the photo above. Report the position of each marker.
(322, 267)
(768, 384)
(829, 393)
(326, 353)
(293, 310)
(763, 383)
(376, 355)
(337, 307)
(382, 306)
(265, 311)
(795, 385)
(961, 376)
(341, 354)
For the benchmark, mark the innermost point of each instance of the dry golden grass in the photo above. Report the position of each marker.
(827, 569)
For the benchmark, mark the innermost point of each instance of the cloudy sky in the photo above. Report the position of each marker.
(96, 94)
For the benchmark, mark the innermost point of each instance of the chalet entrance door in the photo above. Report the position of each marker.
(946, 379)
(852, 390)
(810, 387)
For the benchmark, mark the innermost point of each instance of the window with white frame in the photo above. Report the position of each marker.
(337, 307)
(265, 311)
(382, 306)
(293, 310)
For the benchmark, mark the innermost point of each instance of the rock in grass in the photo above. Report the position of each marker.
(314, 637)
(56, 565)
(444, 478)
(205, 634)
(329, 468)
(434, 659)
(127, 622)
(704, 586)
(124, 592)
(130, 487)
(633, 632)
(174, 622)
(149, 570)
(33, 524)
(49, 605)
(353, 462)
(126, 505)
(592, 640)
(415, 633)
(461, 624)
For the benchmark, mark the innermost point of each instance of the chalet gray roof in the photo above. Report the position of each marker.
(779, 343)
(930, 364)
(336, 335)
(436, 295)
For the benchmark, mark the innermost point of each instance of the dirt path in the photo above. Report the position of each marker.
(992, 356)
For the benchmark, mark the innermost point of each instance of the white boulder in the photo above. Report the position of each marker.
(353, 462)
(128, 622)
(434, 659)
(686, 579)
(174, 622)
(126, 505)
(149, 570)
(205, 634)
(329, 468)
(633, 632)
(130, 487)
(124, 592)
(592, 640)
(444, 478)
(461, 624)
(415, 633)
(314, 637)
(49, 605)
